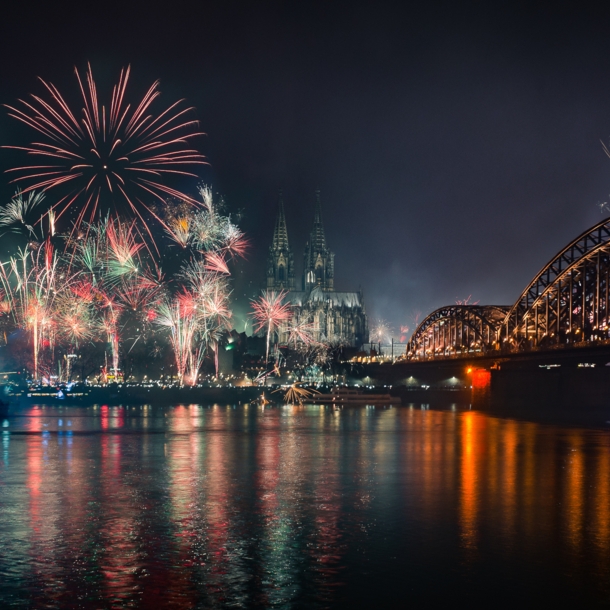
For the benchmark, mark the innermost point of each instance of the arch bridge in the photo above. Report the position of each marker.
(566, 304)
(457, 329)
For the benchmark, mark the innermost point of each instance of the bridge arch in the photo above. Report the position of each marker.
(456, 329)
(567, 301)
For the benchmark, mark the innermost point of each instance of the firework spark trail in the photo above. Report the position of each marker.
(106, 283)
(270, 312)
(217, 315)
(211, 297)
(197, 277)
(179, 228)
(120, 153)
(74, 319)
(178, 316)
(122, 249)
(116, 272)
(211, 237)
(466, 301)
(15, 216)
(141, 293)
(301, 331)
(34, 290)
(216, 263)
(109, 325)
(235, 242)
(195, 318)
(206, 230)
(295, 395)
(381, 332)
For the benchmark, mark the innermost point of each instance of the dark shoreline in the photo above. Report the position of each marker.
(535, 410)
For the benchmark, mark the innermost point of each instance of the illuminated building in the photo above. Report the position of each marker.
(336, 315)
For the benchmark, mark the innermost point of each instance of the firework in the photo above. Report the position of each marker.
(207, 233)
(116, 274)
(301, 331)
(140, 293)
(105, 156)
(16, 216)
(212, 291)
(466, 301)
(197, 277)
(105, 284)
(206, 230)
(295, 395)
(192, 330)
(269, 312)
(177, 315)
(216, 263)
(215, 315)
(109, 325)
(381, 332)
(33, 288)
(74, 319)
(122, 248)
(195, 318)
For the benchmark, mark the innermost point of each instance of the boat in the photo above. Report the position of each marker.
(64, 392)
(354, 396)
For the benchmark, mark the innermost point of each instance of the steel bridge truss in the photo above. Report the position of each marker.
(457, 329)
(567, 303)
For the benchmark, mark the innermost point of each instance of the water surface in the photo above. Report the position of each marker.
(228, 507)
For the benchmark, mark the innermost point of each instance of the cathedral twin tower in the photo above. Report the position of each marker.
(337, 316)
(319, 261)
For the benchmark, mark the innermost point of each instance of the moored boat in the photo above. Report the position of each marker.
(68, 392)
(355, 396)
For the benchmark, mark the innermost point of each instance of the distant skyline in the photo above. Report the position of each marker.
(456, 146)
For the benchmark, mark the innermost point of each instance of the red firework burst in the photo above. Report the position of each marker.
(119, 154)
(269, 312)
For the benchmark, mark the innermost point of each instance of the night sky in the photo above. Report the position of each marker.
(456, 146)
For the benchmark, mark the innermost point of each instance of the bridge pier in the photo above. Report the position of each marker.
(575, 380)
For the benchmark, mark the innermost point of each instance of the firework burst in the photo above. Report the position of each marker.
(206, 231)
(34, 287)
(301, 331)
(466, 301)
(295, 395)
(114, 155)
(179, 316)
(381, 332)
(269, 313)
(17, 215)
(74, 320)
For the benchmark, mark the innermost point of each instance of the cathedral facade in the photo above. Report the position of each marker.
(337, 316)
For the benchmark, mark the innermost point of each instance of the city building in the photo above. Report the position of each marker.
(337, 316)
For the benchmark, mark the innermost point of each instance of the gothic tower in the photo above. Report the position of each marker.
(280, 263)
(319, 261)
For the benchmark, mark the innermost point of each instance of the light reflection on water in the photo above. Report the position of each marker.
(218, 506)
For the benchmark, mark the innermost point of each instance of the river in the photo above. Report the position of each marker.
(196, 506)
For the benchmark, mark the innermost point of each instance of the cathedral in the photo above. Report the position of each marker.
(336, 315)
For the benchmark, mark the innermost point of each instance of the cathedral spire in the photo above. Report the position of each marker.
(318, 239)
(280, 234)
(319, 265)
(280, 262)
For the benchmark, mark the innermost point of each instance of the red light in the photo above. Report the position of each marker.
(481, 378)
